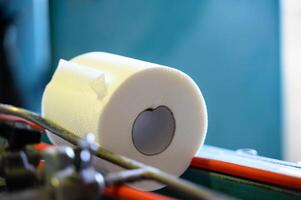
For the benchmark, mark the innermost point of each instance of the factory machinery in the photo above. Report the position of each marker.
(32, 168)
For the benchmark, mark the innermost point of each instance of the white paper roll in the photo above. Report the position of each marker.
(152, 113)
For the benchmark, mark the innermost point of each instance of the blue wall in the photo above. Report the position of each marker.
(28, 47)
(230, 48)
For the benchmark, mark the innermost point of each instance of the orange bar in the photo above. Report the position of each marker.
(127, 193)
(251, 173)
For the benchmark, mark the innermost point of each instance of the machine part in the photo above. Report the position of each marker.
(19, 135)
(87, 184)
(248, 151)
(83, 153)
(18, 163)
(15, 137)
(32, 194)
(240, 188)
(127, 176)
(115, 191)
(78, 180)
(194, 191)
(18, 173)
(57, 158)
(257, 168)
(127, 193)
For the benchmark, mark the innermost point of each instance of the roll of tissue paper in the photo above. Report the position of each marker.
(148, 112)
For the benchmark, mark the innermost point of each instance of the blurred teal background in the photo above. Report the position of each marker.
(229, 47)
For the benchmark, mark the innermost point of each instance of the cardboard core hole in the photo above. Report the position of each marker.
(153, 130)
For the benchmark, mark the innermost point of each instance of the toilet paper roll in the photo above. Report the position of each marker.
(152, 113)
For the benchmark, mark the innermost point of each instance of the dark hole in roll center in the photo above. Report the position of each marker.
(153, 130)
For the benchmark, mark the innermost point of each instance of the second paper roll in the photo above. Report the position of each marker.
(152, 113)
